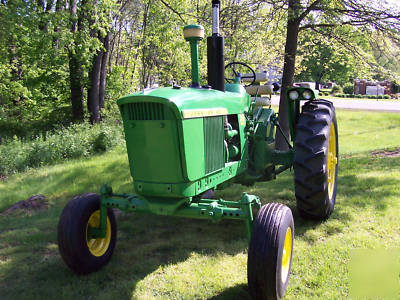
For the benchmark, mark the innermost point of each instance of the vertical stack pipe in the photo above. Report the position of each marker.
(215, 52)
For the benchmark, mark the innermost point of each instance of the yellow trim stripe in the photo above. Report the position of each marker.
(204, 112)
(242, 120)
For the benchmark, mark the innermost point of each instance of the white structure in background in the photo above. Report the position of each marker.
(306, 84)
(375, 90)
(274, 74)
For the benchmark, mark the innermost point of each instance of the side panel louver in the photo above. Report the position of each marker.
(145, 111)
(214, 143)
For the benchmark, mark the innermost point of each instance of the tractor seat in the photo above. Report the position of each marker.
(252, 90)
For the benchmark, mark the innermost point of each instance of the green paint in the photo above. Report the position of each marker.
(194, 53)
(211, 209)
(193, 26)
(189, 98)
(182, 142)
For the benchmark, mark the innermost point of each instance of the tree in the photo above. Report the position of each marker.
(57, 54)
(99, 20)
(325, 59)
(371, 16)
(387, 56)
(75, 64)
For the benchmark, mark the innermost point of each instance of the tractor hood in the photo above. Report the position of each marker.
(189, 103)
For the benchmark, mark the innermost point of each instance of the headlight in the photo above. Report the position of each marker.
(293, 95)
(307, 94)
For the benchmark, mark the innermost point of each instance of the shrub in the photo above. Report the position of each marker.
(386, 97)
(349, 96)
(348, 88)
(77, 140)
(336, 89)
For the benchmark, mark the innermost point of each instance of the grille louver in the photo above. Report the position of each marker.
(145, 111)
(214, 143)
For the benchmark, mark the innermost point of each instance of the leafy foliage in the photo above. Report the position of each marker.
(348, 88)
(336, 89)
(75, 141)
(325, 59)
(46, 44)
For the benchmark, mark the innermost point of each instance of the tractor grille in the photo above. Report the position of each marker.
(214, 143)
(145, 111)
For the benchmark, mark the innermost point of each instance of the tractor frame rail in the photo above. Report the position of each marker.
(211, 209)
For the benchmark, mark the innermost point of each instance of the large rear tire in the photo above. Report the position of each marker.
(80, 252)
(316, 160)
(270, 252)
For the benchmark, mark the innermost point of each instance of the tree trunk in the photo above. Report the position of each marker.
(103, 71)
(75, 69)
(318, 81)
(44, 9)
(76, 87)
(144, 77)
(93, 102)
(16, 72)
(118, 47)
(288, 71)
(59, 6)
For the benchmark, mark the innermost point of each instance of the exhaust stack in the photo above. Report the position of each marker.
(215, 52)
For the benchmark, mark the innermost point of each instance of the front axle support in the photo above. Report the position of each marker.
(211, 209)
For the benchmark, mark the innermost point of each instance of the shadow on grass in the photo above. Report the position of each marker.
(30, 266)
(360, 186)
(238, 292)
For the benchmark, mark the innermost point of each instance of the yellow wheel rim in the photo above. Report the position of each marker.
(332, 160)
(98, 246)
(287, 254)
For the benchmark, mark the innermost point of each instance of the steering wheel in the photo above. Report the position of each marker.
(234, 70)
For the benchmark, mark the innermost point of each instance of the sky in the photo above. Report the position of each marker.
(395, 3)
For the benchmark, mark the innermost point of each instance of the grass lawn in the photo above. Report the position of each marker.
(171, 258)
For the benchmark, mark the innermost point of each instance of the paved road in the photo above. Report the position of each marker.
(376, 105)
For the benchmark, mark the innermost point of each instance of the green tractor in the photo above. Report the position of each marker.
(185, 143)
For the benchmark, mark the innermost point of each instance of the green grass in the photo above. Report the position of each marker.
(171, 258)
(363, 131)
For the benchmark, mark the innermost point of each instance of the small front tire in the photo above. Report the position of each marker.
(81, 253)
(270, 252)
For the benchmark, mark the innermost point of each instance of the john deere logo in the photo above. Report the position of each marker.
(205, 112)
